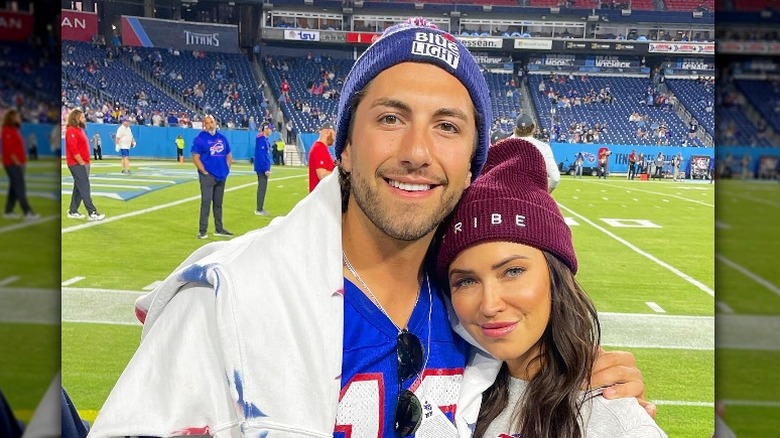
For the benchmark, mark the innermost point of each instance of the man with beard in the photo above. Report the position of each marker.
(321, 163)
(212, 157)
(77, 157)
(14, 162)
(328, 321)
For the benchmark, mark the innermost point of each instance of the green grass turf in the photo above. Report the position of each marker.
(29, 359)
(32, 251)
(110, 348)
(134, 252)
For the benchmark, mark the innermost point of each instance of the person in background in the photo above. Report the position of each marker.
(632, 159)
(32, 146)
(321, 163)
(212, 157)
(77, 158)
(279, 146)
(524, 128)
(179, 148)
(14, 163)
(262, 166)
(512, 286)
(578, 165)
(97, 148)
(124, 142)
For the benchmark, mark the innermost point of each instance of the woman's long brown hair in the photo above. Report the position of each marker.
(550, 407)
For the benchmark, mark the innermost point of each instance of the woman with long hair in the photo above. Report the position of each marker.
(507, 258)
(77, 157)
(14, 163)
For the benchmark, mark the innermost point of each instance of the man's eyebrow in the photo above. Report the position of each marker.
(452, 112)
(404, 107)
(392, 103)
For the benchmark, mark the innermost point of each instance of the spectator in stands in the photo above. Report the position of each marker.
(157, 119)
(14, 162)
(321, 163)
(212, 157)
(172, 120)
(77, 158)
(285, 88)
(262, 166)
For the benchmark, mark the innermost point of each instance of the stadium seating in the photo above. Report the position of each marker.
(194, 70)
(689, 5)
(86, 64)
(32, 87)
(629, 94)
(765, 97)
(695, 96)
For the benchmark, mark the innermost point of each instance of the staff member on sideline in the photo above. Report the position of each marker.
(179, 148)
(77, 158)
(14, 161)
(211, 154)
(262, 166)
(124, 142)
(321, 164)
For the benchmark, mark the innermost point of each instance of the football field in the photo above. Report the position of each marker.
(645, 250)
(748, 306)
(30, 290)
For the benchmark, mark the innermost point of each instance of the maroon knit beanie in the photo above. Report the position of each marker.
(509, 203)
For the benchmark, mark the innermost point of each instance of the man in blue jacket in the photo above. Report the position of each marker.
(262, 166)
(212, 156)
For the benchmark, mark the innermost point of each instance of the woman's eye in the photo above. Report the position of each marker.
(462, 282)
(514, 272)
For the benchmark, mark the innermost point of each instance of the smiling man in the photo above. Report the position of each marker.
(350, 336)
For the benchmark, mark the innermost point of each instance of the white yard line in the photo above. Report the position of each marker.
(72, 281)
(656, 308)
(747, 273)
(724, 307)
(684, 403)
(757, 403)
(8, 280)
(26, 223)
(654, 193)
(160, 207)
(701, 286)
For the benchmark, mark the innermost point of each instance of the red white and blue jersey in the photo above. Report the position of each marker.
(369, 382)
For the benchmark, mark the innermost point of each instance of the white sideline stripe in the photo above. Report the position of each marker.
(756, 403)
(655, 307)
(8, 280)
(25, 223)
(656, 193)
(756, 200)
(123, 177)
(72, 281)
(111, 195)
(30, 306)
(722, 225)
(161, 206)
(121, 186)
(724, 307)
(631, 246)
(684, 403)
(744, 271)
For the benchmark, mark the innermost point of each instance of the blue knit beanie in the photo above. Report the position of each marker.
(417, 40)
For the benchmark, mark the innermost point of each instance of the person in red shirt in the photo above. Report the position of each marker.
(321, 163)
(14, 160)
(77, 157)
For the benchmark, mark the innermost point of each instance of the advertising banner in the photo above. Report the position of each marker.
(695, 64)
(694, 48)
(78, 26)
(618, 160)
(301, 35)
(15, 26)
(362, 37)
(481, 42)
(749, 47)
(533, 44)
(182, 35)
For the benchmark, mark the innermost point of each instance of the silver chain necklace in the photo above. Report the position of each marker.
(376, 302)
(373, 297)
